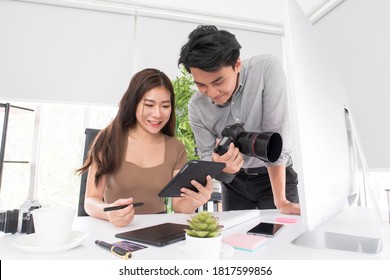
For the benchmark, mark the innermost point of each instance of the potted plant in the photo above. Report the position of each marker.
(203, 237)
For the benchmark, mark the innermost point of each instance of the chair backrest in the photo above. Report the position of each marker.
(90, 135)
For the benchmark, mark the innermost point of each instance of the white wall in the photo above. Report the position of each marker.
(86, 54)
(79, 53)
(159, 42)
(357, 32)
(52, 53)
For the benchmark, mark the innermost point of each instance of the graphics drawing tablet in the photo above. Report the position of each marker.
(193, 170)
(157, 235)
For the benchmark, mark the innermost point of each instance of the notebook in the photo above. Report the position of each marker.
(157, 235)
(242, 241)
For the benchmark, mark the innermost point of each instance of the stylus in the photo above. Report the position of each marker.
(114, 249)
(122, 206)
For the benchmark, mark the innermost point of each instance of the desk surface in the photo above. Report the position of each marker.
(277, 248)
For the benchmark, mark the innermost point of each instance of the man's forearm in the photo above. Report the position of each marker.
(277, 175)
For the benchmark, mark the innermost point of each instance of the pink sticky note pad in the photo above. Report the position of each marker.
(286, 220)
(244, 241)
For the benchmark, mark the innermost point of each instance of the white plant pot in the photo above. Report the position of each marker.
(203, 248)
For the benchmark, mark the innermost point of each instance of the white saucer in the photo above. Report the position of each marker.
(27, 243)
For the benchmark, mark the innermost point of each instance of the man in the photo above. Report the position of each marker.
(252, 93)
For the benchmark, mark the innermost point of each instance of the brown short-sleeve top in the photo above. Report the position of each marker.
(144, 184)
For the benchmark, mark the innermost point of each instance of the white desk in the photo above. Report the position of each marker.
(279, 248)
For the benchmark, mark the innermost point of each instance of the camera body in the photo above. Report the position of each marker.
(266, 145)
(19, 220)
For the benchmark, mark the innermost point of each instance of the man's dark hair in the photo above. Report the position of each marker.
(209, 49)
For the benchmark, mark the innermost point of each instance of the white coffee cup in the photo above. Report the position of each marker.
(53, 224)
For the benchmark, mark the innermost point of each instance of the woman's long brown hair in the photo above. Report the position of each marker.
(107, 149)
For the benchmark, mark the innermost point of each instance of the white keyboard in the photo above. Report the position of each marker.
(232, 218)
(226, 218)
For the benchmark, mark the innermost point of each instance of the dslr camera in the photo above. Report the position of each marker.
(19, 220)
(266, 145)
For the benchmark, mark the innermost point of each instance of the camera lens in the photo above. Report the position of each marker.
(9, 221)
(266, 145)
(2, 221)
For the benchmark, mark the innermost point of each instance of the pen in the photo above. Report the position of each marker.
(122, 206)
(114, 249)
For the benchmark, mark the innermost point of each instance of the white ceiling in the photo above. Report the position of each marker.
(268, 12)
(252, 10)
(309, 5)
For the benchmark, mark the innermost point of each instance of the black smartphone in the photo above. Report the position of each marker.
(266, 229)
(129, 246)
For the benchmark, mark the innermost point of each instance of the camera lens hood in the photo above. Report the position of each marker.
(266, 145)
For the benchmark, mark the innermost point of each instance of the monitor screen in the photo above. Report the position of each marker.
(323, 155)
(325, 138)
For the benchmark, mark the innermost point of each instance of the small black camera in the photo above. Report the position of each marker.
(266, 145)
(19, 220)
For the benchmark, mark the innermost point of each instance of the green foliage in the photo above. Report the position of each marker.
(168, 205)
(184, 89)
(203, 225)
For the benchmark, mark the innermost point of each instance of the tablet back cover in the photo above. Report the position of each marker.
(193, 170)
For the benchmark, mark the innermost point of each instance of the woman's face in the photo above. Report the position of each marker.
(154, 110)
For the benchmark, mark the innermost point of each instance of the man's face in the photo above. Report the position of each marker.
(220, 85)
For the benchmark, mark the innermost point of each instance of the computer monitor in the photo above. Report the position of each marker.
(325, 154)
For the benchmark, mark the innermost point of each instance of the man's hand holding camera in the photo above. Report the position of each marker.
(232, 158)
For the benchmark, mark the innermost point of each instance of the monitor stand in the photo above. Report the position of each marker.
(354, 230)
(339, 241)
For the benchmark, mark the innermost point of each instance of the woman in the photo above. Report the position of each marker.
(136, 155)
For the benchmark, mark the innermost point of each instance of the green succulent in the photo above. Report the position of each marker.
(203, 225)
